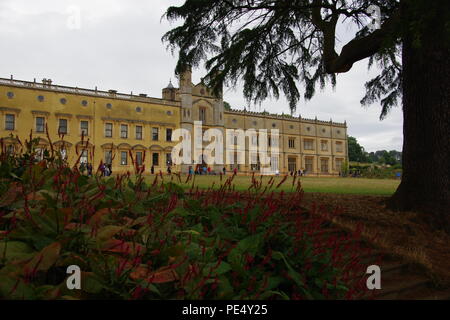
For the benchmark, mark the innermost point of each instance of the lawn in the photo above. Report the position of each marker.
(335, 185)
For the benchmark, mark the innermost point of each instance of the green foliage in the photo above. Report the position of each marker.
(275, 45)
(138, 240)
(375, 171)
(356, 151)
(226, 106)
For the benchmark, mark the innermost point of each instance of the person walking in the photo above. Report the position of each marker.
(235, 171)
(82, 167)
(224, 171)
(209, 170)
(102, 169)
(89, 169)
(152, 169)
(107, 174)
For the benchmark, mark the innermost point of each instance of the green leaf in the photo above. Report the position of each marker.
(14, 250)
(45, 259)
(12, 288)
(224, 289)
(90, 283)
(107, 232)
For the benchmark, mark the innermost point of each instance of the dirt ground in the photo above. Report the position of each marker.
(400, 233)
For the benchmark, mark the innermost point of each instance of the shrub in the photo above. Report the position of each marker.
(138, 240)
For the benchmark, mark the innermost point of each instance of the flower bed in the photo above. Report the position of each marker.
(138, 240)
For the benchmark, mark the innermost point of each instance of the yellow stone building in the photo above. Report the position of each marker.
(116, 125)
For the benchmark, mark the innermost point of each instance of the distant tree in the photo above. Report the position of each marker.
(226, 106)
(389, 158)
(275, 46)
(356, 152)
(392, 157)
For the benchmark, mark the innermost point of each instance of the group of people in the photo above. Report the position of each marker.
(201, 170)
(105, 169)
(206, 170)
(86, 167)
(299, 173)
(152, 169)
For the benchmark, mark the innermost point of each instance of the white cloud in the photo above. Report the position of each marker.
(119, 47)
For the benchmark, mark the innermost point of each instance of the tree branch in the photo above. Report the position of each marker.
(357, 49)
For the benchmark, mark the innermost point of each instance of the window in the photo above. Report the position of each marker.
(168, 134)
(324, 145)
(324, 165)
(254, 140)
(202, 114)
(291, 143)
(274, 166)
(339, 165)
(10, 120)
(124, 131)
(108, 130)
(62, 129)
(138, 132)
(292, 164)
(339, 147)
(254, 162)
(84, 156)
(155, 134)
(273, 141)
(309, 144)
(309, 164)
(139, 158)
(169, 159)
(155, 159)
(108, 157)
(40, 124)
(123, 158)
(84, 126)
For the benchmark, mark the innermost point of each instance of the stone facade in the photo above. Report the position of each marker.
(117, 126)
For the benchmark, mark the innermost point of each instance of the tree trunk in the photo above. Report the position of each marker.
(425, 185)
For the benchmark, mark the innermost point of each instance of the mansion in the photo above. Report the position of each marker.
(120, 127)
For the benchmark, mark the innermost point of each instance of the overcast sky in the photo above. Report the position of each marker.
(116, 44)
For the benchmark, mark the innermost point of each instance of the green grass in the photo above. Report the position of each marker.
(336, 185)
